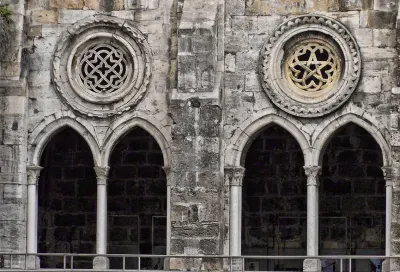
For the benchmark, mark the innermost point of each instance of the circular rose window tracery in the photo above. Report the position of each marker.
(310, 66)
(103, 69)
(101, 66)
(313, 66)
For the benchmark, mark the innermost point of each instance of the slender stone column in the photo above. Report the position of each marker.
(101, 223)
(312, 173)
(32, 216)
(388, 175)
(167, 171)
(234, 177)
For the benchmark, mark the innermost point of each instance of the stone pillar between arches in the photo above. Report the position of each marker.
(312, 173)
(101, 262)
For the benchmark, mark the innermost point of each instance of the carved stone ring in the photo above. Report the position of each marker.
(310, 65)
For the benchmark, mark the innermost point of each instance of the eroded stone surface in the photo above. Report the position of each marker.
(203, 104)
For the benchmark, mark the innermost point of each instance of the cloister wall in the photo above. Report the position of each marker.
(204, 104)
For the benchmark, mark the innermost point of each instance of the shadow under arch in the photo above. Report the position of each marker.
(236, 151)
(328, 131)
(124, 128)
(41, 136)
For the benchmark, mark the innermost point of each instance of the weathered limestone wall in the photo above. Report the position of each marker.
(204, 91)
(249, 24)
(13, 140)
(196, 180)
(26, 108)
(12, 164)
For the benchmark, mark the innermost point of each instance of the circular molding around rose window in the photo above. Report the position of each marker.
(101, 66)
(310, 65)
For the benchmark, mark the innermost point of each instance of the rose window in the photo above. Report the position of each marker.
(101, 66)
(103, 69)
(313, 66)
(310, 65)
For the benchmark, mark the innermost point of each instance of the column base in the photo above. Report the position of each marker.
(312, 265)
(237, 265)
(101, 262)
(386, 266)
(32, 262)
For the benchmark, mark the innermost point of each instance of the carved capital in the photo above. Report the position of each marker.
(387, 172)
(167, 171)
(102, 174)
(234, 176)
(388, 175)
(312, 173)
(33, 172)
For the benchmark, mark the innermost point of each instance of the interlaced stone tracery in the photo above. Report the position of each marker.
(103, 69)
(313, 66)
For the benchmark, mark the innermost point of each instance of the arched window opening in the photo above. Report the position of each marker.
(274, 201)
(352, 199)
(137, 200)
(67, 200)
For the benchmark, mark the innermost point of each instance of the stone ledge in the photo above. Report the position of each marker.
(13, 87)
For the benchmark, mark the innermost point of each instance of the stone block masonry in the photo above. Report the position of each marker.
(177, 155)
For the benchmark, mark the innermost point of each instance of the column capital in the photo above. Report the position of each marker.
(167, 171)
(312, 172)
(388, 175)
(101, 174)
(33, 172)
(387, 172)
(234, 175)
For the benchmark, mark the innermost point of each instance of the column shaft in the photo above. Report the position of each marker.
(312, 173)
(233, 178)
(312, 221)
(101, 219)
(388, 175)
(235, 218)
(101, 228)
(389, 193)
(31, 224)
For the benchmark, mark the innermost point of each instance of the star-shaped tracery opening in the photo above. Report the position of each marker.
(313, 66)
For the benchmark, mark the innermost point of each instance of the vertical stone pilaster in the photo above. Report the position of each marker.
(312, 173)
(101, 222)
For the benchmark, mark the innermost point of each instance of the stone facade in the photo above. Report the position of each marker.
(201, 114)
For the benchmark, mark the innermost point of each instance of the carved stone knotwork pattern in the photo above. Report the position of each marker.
(234, 176)
(312, 173)
(101, 66)
(101, 174)
(33, 174)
